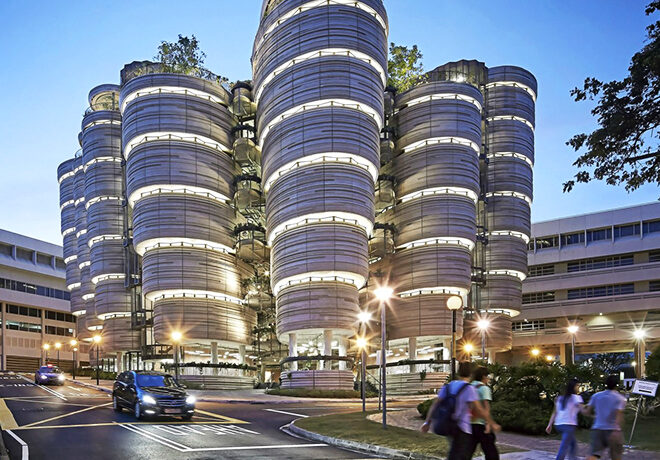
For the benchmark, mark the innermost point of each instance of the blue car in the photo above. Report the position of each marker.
(150, 393)
(49, 375)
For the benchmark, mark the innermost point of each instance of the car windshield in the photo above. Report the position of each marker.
(146, 380)
(50, 370)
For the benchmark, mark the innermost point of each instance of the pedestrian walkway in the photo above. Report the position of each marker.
(537, 447)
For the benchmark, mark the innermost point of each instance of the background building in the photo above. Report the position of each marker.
(34, 303)
(600, 272)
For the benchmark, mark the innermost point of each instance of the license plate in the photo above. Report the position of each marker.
(172, 411)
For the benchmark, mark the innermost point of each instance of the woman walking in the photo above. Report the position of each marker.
(565, 419)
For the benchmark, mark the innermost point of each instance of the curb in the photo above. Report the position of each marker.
(365, 448)
(4, 453)
(90, 385)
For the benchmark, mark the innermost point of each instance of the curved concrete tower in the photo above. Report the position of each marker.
(179, 184)
(319, 74)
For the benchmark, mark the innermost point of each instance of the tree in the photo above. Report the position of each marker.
(184, 56)
(404, 67)
(625, 148)
(653, 365)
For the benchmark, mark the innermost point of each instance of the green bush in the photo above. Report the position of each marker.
(653, 365)
(91, 372)
(424, 406)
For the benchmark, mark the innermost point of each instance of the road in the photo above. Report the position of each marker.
(75, 422)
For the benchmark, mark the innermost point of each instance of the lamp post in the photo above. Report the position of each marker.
(639, 338)
(363, 317)
(46, 347)
(453, 303)
(73, 343)
(535, 352)
(483, 325)
(58, 345)
(97, 341)
(176, 338)
(383, 294)
(468, 348)
(573, 329)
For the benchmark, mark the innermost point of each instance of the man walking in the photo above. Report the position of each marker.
(606, 432)
(483, 434)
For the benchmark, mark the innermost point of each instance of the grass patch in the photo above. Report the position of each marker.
(355, 427)
(309, 393)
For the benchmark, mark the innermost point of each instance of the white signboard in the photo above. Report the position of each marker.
(645, 387)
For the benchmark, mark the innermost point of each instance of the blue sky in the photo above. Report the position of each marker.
(54, 52)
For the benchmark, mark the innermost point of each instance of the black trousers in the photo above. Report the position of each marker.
(487, 441)
(460, 446)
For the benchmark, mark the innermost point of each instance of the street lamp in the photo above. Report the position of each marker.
(46, 347)
(549, 358)
(362, 345)
(97, 341)
(383, 294)
(573, 329)
(73, 343)
(483, 325)
(453, 303)
(639, 337)
(535, 352)
(58, 345)
(468, 348)
(176, 338)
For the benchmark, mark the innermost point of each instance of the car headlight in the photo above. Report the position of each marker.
(148, 399)
(60, 377)
(191, 400)
(44, 377)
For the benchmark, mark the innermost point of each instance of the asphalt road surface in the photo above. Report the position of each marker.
(73, 422)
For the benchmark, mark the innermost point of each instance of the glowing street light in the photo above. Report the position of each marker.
(383, 294)
(468, 348)
(46, 347)
(364, 317)
(73, 343)
(573, 329)
(639, 335)
(549, 358)
(483, 325)
(453, 303)
(361, 342)
(176, 337)
(535, 352)
(97, 341)
(58, 345)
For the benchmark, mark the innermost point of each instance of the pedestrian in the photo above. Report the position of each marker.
(608, 406)
(466, 405)
(483, 433)
(565, 419)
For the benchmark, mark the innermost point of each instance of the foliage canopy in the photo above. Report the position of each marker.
(404, 67)
(625, 148)
(184, 56)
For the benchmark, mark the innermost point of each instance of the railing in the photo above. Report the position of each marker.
(420, 365)
(229, 369)
(318, 362)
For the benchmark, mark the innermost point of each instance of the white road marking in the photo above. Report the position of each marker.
(25, 452)
(287, 413)
(154, 437)
(59, 395)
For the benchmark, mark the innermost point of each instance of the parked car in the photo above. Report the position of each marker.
(49, 374)
(151, 393)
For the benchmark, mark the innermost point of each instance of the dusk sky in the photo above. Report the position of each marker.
(55, 52)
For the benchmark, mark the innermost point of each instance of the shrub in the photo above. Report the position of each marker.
(424, 406)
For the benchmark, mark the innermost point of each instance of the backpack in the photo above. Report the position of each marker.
(443, 420)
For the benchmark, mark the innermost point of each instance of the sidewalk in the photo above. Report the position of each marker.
(243, 396)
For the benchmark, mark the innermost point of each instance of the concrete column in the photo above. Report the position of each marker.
(412, 352)
(214, 356)
(640, 357)
(343, 344)
(491, 356)
(293, 350)
(327, 347)
(120, 363)
(564, 353)
(3, 337)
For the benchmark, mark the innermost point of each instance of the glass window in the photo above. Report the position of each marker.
(547, 242)
(621, 231)
(652, 226)
(146, 380)
(541, 270)
(572, 238)
(600, 262)
(599, 235)
(654, 285)
(654, 256)
(538, 297)
(601, 291)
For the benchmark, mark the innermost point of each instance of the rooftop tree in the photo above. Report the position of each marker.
(404, 67)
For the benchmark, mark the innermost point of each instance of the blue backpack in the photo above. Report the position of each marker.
(443, 420)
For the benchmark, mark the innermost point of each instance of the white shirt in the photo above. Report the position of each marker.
(568, 415)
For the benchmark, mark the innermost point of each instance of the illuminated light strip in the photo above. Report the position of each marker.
(512, 117)
(441, 140)
(151, 190)
(514, 84)
(81, 232)
(443, 97)
(191, 293)
(66, 203)
(458, 191)
(164, 243)
(322, 218)
(73, 286)
(68, 230)
(100, 160)
(78, 312)
(320, 158)
(518, 195)
(513, 233)
(70, 259)
(113, 315)
(500, 311)
(515, 155)
(342, 52)
(98, 199)
(108, 276)
(102, 122)
(443, 240)
(98, 239)
(320, 277)
(158, 136)
(84, 264)
(319, 3)
(88, 296)
(322, 104)
(450, 290)
(98, 327)
(514, 273)
(151, 90)
(69, 174)
(79, 200)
